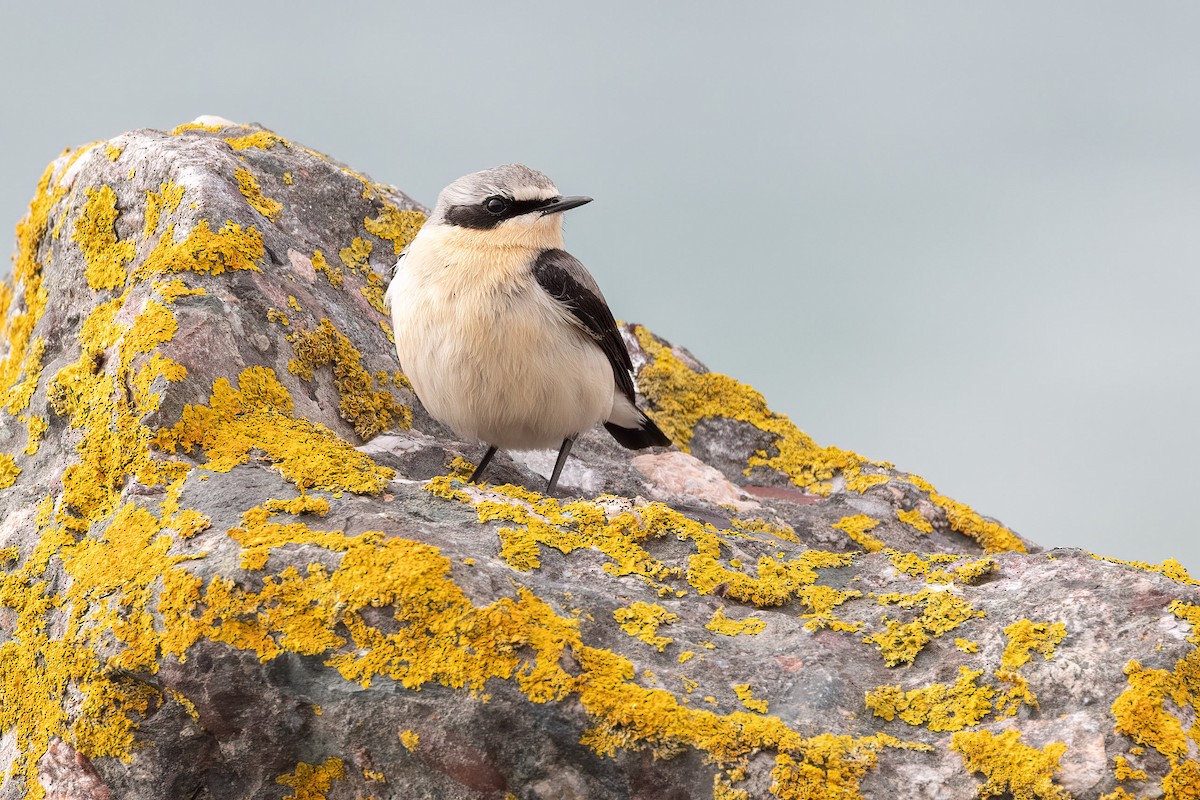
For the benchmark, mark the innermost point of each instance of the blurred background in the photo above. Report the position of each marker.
(962, 237)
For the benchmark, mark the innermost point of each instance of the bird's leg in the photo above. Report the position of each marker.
(483, 462)
(558, 464)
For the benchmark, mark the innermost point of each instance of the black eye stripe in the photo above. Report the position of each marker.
(478, 216)
(518, 207)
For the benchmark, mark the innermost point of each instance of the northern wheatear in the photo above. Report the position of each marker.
(504, 335)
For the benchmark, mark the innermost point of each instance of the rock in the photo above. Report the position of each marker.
(240, 561)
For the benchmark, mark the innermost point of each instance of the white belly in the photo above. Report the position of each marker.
(505, 368)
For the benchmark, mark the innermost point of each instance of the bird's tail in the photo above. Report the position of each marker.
(647, 434)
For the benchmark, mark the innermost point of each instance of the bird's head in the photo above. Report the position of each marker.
(510, 204)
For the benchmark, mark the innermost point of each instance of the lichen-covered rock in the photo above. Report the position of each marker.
(239, 561)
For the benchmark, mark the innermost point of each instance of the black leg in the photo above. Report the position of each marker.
(558, 465)
(483, 462)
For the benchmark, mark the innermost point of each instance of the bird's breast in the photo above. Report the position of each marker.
(492, 356)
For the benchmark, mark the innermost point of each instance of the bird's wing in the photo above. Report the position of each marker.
(399, 258)
(387, 295)
(565, 279)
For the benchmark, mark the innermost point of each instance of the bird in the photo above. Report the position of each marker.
(504, 336)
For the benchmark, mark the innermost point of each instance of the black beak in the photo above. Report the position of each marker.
(560, 204)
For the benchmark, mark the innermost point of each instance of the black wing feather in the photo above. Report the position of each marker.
(565, 279)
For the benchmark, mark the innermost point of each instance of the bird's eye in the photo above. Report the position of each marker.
(495, 205)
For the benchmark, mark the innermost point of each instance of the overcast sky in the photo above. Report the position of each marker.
(962, 237)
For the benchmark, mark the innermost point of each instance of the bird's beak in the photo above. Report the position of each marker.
(560, 204)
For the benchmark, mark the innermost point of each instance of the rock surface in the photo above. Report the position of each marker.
(241, 562)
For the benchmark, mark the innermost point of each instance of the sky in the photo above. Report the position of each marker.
(960, 237)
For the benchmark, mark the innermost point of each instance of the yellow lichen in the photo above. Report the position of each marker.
(1011, 768)
(105, 596)
(172, 290)
(680, 397)
(16, 397)
(777, 529)
(1169, 567)
(204, 251)
(991, 536)
(966, 645)
(746, 695)
(777, 580)
(1141, 711)
(823, 600)
(37, 429)
(288, 180)
(311, 781)
(942, 612)
(916, 519)
(410, 740)
(1017, 694)
(188, 705)
(1123, 771)
(938, 706)
(355, 256)
(113, 152)
(913, 564)
(189, 522)
(642, 620)
(370, 411)
(723, 790)
(304, 504)
(831, 767)
(258, 535)
(973, 571)
(1025, 636)
(259, 416)
(96, 236)
(113, 446)
(275, 315)
(374, 290)
(248, 186)
(1183, 781)
(734, 627)
(396, 226)
(332, 272)
(8, 471)
(165, 200)
(198, 126)
(856, 528)
(264, 140)
(899, 643)
(24, 350)
(545, 522)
